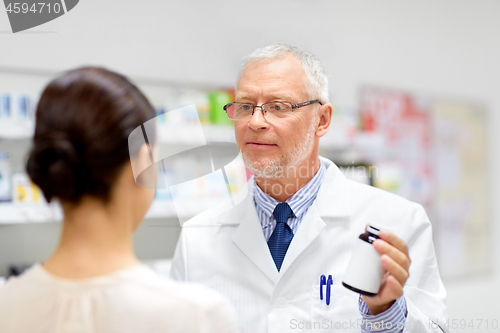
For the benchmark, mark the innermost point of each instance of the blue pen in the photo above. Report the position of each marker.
(328, 289)
(322, 282)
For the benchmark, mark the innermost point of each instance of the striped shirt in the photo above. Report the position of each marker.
(393, 320)
(300, 203)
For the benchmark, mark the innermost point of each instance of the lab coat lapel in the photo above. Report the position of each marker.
(331, 204)
(334, 196)
(249, 238)
(310, 228)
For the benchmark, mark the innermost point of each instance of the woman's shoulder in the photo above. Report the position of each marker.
(151, 283)
(23, 291)
(186, 303)
(28, 279)
(138, 282)
(145, 296)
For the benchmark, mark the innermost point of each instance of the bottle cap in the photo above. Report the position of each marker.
(374, 228)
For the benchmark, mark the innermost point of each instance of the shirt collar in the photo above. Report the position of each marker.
(299, 202)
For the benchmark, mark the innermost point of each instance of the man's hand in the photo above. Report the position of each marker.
(396, 261)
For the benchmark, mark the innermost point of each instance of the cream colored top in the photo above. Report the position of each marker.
(130, 300)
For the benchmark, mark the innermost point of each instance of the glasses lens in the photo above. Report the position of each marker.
(278, 109)
(238, 111)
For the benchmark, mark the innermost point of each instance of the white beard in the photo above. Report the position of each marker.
(281, 167)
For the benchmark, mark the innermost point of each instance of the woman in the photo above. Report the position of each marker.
(93, 282)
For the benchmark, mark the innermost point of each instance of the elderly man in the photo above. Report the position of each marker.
(302, 218)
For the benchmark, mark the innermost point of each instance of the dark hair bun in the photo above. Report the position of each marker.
(55, 166)
(83, 121)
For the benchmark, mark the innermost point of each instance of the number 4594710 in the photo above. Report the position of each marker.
(471, 324)
(36, 8)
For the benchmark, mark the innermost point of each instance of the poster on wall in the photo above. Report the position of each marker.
(403, 163)
(461, 191)
(435, 153)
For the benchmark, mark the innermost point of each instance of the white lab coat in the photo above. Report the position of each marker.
(229, 254)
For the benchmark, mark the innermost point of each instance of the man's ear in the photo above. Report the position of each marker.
(323, 119)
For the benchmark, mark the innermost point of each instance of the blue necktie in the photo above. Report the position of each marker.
(282, 235)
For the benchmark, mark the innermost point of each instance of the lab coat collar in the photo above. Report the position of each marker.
(310, 228)
(249, 238)
(332, 202)
(334, 198)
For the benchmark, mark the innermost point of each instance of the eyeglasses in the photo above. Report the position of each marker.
(271, 110)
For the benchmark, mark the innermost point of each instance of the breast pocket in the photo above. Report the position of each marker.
(341, 315)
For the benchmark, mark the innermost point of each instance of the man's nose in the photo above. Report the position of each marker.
(257, 120)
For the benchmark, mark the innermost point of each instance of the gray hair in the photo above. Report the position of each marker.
(316, 81)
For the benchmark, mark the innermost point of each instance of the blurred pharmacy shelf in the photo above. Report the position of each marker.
(16, 129)
(16, 213)
(180, 134)
(183, 134)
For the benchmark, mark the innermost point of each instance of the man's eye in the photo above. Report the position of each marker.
(245, 107)
(277, 107)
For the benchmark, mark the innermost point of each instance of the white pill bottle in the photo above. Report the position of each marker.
(365, 272)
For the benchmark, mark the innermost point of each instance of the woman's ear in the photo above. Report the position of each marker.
(144, 167)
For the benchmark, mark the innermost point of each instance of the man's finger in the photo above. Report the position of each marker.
(400, 257)
(394, 240)
(395, 289)
(394, 269)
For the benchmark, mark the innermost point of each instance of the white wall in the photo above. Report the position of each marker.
(447, 48)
